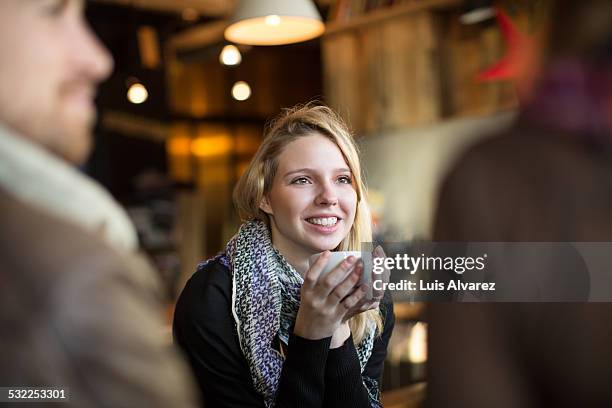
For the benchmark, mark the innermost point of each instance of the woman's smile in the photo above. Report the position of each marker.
(324, 224)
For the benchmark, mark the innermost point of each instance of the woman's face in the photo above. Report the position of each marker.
(312, 200)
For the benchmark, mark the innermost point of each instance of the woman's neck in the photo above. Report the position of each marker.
(300, 263)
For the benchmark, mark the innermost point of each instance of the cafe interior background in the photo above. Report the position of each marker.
(418, 81)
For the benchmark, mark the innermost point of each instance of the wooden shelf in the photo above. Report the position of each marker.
(386, 13)
(412, 64)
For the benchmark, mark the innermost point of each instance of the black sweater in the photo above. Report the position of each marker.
(312, 375)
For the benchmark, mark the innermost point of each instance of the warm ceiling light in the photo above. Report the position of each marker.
(230, 55)
(274, 22)
(208, 146)
(478, 15)
(137, 93)
(241, 91)
(476, 11)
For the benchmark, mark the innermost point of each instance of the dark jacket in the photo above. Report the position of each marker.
(528, 184)
(312, 376)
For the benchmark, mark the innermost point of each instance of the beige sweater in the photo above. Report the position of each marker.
(35, 176)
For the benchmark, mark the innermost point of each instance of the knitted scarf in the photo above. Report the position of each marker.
(265, 301)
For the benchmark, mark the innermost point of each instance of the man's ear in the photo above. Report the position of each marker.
(265, 206)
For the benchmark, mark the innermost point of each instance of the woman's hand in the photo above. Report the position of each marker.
(326, 302)
(366, 304)
(340, 335)
(383, 277)
(343, 332)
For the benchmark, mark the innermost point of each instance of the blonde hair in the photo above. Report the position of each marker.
(256, 182)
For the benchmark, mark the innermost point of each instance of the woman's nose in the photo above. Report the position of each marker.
(327, 195)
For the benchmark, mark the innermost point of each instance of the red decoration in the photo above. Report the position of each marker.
(518, 47)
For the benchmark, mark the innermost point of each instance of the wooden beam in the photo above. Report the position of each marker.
(211, 8)
(382, 14)
(134, 126)
(202, 35)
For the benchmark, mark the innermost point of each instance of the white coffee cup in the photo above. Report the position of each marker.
(337, 257)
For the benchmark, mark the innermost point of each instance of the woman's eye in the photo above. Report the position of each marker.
(345, 179)
(300, 180)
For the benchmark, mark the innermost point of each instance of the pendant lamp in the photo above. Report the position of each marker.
(274, 22)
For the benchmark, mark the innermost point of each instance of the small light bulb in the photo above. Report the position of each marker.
(273, 20)
(230, 55)
(241, 91)
(137, 93)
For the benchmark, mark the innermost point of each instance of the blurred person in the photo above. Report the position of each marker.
(79, 309)
(259, 326)
(547, 179)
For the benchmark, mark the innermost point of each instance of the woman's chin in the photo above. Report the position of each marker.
(325, 246)
(320, 242)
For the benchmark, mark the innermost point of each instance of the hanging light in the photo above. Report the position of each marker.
(274, 22)
(241, 91)
(476, 11)
(137, 93)
(230, 55)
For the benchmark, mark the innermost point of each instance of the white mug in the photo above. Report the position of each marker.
(338, 256)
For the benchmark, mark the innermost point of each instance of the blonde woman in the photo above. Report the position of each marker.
(259, 327)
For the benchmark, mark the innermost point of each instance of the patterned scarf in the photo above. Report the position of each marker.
(265, 301)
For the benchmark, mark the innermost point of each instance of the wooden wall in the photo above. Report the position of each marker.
(413, 65)
(385, 76)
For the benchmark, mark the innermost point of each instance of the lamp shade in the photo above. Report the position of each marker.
(476, 11)
(274, 22)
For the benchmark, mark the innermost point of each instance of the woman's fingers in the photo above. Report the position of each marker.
(383, 277)
(347, 285)
(371, 305)
(312, 274)
(364, 305)
(361, 306)
(353, 299)
(336, 276)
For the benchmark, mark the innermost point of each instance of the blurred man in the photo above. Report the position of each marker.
(78, 307)
(546, 179)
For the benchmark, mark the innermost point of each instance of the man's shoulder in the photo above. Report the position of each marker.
(30, 233)
(40, 249)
